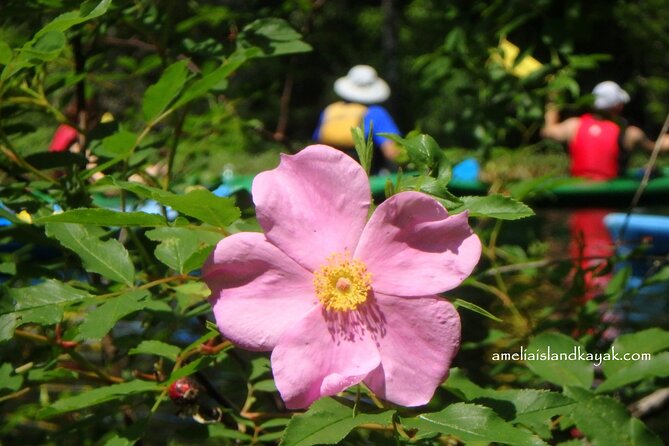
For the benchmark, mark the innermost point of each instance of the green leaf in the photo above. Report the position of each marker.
(527, 407)
(8, 380)
(40, 304)
(103, 318)
(652, 340)
(555, 358)
(176, 247)
(45, 47)
(494, 206)
(8, 323)
(89, 10)
(108, 258)
(97, 396)
(266, 385)
(104, 217)
(49, 41)
(6, 53)
(159, 95)
(212, 80)
(475, 308)
(221, 431)
(363, 147)
(271, 37)
(117, 145)
(199, 203)
(158, 348)
(423, 150)
(656, 367)
(328, 422)
(47, 294)
(605, 421)
(471, 423)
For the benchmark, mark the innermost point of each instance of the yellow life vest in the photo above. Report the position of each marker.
(338, 120)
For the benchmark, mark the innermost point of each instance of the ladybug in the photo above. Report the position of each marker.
(183, 391)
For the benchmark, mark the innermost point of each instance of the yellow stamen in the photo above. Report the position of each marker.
(342, 284)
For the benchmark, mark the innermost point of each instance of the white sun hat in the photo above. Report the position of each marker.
(608, 94)
(362, 84)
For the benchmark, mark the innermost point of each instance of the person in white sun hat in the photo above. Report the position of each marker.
(362, 91)
(600, 142)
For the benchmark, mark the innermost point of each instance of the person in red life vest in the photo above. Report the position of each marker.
(362, 91)
(600, 142)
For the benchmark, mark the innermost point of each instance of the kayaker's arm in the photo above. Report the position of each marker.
(635, 138)
(554, 129)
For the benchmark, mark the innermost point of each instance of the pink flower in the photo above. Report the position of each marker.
(336, 298)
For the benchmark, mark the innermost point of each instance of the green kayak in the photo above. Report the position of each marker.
(541, 192)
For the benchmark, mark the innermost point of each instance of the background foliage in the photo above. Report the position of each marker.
(102, 311)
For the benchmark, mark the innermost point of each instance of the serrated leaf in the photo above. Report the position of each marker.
(117, 145)
(471, 423)
(158, 348)
(108, 258)
(89, 10)
(652, 340)
(494, 206)
(176, 246)
(103, 318)
(46, 43)
(527, 407)
(8, 323)
(566, 370)
(271, 37)
(605, 421)
(656, 367)
(104, 217)
(159, 95)
(47, 46)
(47, 294)
(40, 304)
(212, 80)
(97, 396)
(422, 149)
(8, 380)
(328, 422)
(199, 203)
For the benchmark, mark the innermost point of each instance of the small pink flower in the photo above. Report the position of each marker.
(336, 298)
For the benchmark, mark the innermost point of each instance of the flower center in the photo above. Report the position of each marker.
(342, 284)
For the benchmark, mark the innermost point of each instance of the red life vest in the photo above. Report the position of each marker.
(595, 151)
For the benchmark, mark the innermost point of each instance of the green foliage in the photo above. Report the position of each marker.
(102, 307)
(328, 422)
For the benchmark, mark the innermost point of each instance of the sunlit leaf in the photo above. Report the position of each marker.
(109, 258)
(97, 396)
(158, 348)
(328, 422)
(199, 203)
(555, 358)
(471, 423)
(104, 217)
(159, 95)
(605, 421)
(494, 206)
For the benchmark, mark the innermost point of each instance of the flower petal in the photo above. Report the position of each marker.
(314, 204)
(421, 337)
(412, 247)
(322, 356)
(257, 291)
